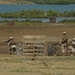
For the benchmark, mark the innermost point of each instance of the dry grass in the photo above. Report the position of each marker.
(23, 65)
(52, 31)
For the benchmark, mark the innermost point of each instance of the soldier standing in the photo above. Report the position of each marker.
(64, 43)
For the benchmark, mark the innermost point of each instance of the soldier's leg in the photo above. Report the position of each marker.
(63, 49)
(72, 50)
(10, 51)
(14, 50)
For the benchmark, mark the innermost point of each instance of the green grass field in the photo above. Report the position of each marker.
(44, 65)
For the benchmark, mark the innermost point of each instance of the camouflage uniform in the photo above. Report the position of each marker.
(12, 45)
(72, 45)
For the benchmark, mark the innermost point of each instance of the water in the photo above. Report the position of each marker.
(36, 19)
(23, 19)
(62, 18)
(19, 7)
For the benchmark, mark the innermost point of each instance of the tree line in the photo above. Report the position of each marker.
(37, 14)
(61, 2)
(52, 1)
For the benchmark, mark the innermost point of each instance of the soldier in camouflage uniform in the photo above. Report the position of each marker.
(12, 45)
(64, 43)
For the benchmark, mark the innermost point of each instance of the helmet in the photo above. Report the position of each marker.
(64, 32)
(11, 37)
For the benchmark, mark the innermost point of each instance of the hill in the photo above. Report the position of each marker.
(61, 2)
(15, 2)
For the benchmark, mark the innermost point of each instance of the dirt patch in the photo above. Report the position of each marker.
(54, 33)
